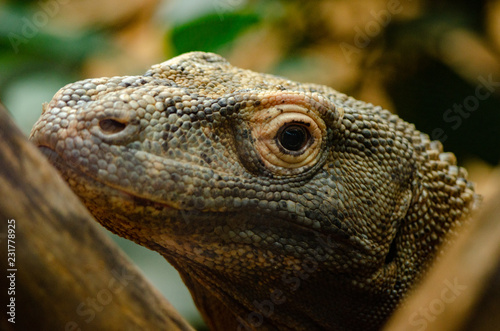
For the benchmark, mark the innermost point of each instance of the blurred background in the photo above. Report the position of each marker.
(434, 63)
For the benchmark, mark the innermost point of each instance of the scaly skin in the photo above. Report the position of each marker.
(283, 205)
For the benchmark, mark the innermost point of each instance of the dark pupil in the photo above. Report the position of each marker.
(293, 137)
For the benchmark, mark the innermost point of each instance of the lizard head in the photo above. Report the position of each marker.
(289, 201)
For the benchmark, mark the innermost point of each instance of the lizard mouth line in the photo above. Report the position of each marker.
(63, 166)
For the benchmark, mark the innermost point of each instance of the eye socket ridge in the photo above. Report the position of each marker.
(294, 138)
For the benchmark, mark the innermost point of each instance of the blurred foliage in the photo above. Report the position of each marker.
(28, 55)
(422, 59)
(26, 49)
(209, 32)
(418, 58)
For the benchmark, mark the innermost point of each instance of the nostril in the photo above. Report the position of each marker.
(110, 126)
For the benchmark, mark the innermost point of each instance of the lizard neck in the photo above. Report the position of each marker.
(301, 301)
(213, 304)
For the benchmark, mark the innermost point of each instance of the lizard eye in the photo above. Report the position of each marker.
(293, 138)
(288, 138)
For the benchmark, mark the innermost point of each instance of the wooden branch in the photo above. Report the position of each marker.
(67, 274)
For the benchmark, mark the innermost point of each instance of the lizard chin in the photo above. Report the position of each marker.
(50, 154)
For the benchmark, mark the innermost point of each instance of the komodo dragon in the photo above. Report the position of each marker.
(284, 206)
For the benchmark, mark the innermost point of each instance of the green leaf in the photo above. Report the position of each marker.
(211, 32)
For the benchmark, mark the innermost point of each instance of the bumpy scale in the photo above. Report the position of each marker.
(282, 205)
